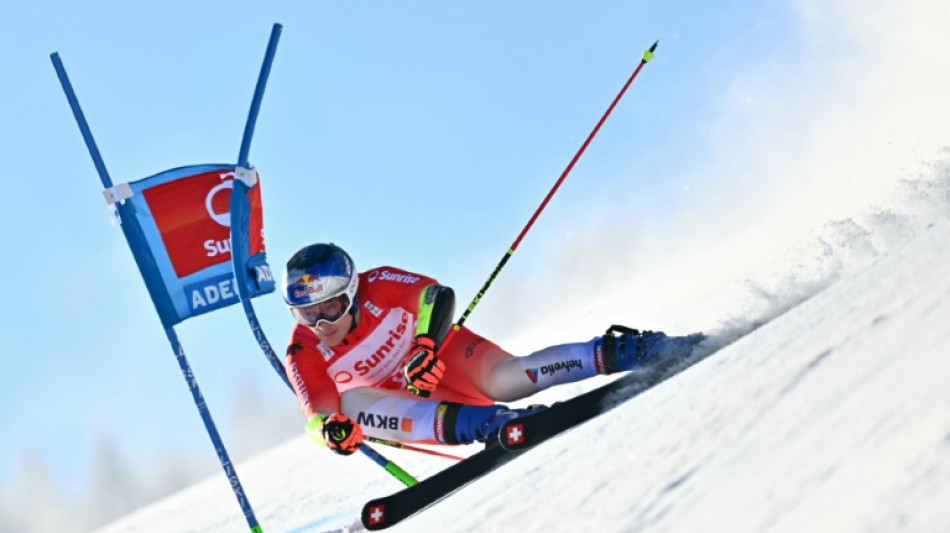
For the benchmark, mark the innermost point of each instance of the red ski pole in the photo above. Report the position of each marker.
(647, 56)
(411, 448)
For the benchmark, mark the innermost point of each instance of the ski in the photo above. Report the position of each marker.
(519, 434)
(528, 430)
(387, 511)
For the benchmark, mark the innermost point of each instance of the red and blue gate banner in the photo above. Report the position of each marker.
(193, 259)
(181, 237)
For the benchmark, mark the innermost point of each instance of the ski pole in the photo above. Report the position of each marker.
(409, 447)
(389, 466)
(313, 429)
(647, 56)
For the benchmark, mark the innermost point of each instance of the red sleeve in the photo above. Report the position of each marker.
(307, 372)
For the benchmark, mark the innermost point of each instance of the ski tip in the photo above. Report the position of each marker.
(374, 517)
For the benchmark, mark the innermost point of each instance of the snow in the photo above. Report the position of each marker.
(832, 416)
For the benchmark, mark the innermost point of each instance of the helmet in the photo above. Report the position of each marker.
(319, 273)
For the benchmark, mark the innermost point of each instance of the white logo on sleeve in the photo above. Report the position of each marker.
(386, 275)
(372, 308)
(326, 351)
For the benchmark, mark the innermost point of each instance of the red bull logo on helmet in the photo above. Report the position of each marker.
(307, 285)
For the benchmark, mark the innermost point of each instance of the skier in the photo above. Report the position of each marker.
(366, 357)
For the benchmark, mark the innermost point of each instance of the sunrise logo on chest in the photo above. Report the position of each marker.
(378, 356)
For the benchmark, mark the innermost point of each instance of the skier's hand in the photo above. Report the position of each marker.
(422, 368)
(343, 436)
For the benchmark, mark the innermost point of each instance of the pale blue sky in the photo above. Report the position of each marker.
(419, 134)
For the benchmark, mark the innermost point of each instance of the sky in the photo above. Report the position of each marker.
(832, 416)
(424, 136)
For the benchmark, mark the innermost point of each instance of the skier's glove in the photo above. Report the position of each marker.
(422, 368)
(343, 436)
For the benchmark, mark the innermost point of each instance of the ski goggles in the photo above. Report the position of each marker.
(330, 311)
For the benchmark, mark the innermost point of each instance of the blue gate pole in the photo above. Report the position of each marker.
(219, 448)
(238, 248)
(222, 453)
(238, 193)
(258, 95)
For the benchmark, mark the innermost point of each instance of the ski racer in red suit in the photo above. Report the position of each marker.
(366, 357)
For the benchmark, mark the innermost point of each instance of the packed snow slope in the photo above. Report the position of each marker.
(833, 416)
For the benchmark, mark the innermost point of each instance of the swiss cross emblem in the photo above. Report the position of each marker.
(377, 514)
(515, 434)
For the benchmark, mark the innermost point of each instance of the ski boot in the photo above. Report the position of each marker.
(626, 348)
(480, 423)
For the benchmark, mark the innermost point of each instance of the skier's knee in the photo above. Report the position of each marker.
(507, 382)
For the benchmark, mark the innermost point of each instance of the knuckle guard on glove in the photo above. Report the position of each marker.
(343, 436)
(422, 368)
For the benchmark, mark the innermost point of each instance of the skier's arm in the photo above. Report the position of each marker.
(422, 368)
(316, 392)
(320, 403)
(436, 311)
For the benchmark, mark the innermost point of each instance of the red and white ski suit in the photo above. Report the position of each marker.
(362, 377)
(372, 353)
